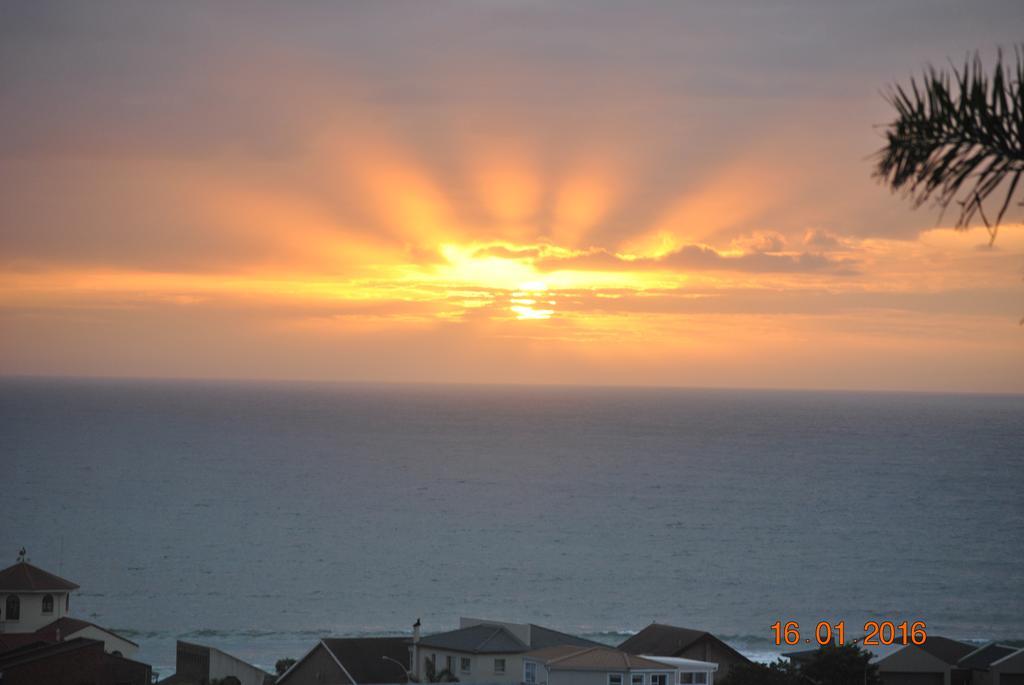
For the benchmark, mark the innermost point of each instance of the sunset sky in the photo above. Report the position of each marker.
(495, 191)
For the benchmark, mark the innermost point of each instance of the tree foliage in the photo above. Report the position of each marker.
(283, 665)
(829, 665)
(958, 136)
(435, 676)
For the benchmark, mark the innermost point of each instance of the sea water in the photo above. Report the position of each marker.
(260, 517)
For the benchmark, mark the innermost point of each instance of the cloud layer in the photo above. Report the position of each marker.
(565, 192)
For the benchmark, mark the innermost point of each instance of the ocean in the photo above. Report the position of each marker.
(260, 517)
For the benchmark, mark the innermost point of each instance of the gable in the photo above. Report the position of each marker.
(912, 659)
(318, 667)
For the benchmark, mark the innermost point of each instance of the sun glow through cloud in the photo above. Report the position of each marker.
(498, 210)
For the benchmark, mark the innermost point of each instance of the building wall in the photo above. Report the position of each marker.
(709, 650)
(317, 668)
(1010, 671)
(567, 677)
(32, 616)
(911, 659)
(87, 665)
(222, 665)
(111, 643)
(481, 666)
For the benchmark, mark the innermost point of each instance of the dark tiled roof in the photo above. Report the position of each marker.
(479, 639)
(980, 659)
(658, 639)
(946, 649)
(13, 641)
(24, 577)
(363, 657)
(541, 637)
(32, 652)
(661, 640)
(67, 626)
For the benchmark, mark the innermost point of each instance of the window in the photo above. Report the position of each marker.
(13, 609)
(449, 663)
(47, 604)
(700, 677)
(499, 665)
(693, 678)
(530, 672)
(614, 679)
(464, 664)
(638, 679)
(659, 679)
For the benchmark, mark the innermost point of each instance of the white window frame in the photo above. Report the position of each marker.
(499, 670)
(465, 664)
(619, 679)
(529, 672)
(637, 679)
(663, 677)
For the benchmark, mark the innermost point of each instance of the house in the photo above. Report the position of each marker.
(31, 598)
(576, 665)
(981, 665)
(664, 640)
(352, 661)
(1009, 670)
(911, 665)
(485, 651)
(691, 671)
(67, 628)
(34, 608)
(199, 665)
(71, 662)
(934, 662)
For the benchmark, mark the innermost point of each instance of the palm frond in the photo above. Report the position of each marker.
(958, 136)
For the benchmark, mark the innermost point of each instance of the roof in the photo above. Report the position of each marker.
(12, 641)
(685, 665)
(981, 658)
(659, 639)
(68, 626)
(1008, 657)
(24, 577)
(946, 649)
(575, 658)
(943, 648)
(541, 637)
(34, 652)
(363, 657)
(477, 639)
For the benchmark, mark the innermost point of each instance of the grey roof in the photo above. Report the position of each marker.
(541, 637)
(363, 657)
(981, 658)
(946, 649)
(478, 639)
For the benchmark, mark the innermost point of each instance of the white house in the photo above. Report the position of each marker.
(31, 598)
(34, 607)
(575, 665)
(690, 671)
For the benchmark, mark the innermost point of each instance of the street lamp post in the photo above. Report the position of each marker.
(398, 663)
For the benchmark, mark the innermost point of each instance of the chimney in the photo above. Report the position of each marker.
(415, 649)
